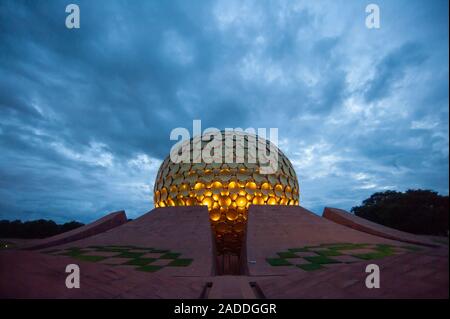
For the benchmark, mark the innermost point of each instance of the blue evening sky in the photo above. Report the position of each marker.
(85, 114)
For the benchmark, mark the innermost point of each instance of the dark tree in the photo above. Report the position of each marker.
(34, 229)
(414, 211)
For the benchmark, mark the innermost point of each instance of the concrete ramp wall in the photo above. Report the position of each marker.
(344, 218)
(103, 224)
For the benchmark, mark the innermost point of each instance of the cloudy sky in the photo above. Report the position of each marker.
(85, 114)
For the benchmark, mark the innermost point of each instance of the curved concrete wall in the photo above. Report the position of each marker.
(103, 224)
(344, 218)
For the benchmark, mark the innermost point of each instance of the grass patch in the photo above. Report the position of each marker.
(321, 260)
(170, 256)
(90, 258)
(140, 261)
(182, 262)
(278, 262)
(149, 268)
(384, 247)
(127, 254)
(287, 254)
(310, 267)
(330, 252)
(159, 251)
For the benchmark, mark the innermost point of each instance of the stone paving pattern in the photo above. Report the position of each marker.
(272, 229)
(185, 230)
(141, 258)
(311, 258)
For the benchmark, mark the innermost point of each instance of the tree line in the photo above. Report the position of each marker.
(34, 229)
(417, 211)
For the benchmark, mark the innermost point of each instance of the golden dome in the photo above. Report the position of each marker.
(228, 189)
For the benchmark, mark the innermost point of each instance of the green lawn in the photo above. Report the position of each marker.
(330, 252)
(287, 254)
(278, 262)
(182, 262)
(321, 260)
(170, 256)
(127, 254)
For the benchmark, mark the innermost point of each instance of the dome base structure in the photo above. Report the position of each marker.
(229, 185)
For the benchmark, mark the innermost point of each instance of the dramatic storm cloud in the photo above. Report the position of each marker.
(85, 114)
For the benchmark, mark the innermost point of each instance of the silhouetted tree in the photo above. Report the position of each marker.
(414, 211)
(34, 229)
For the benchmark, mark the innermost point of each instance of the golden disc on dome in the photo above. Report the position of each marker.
(231, 214)
(180, 202)
(259, 178)
(225, 175)
(243, 177)
(241, 201)
(258, 200)
(207, 201)
(216, 187)
(250, 187)
(288, 192)
(273, 179)
(224, 201)
(214, 214)
(291, 182)
(191, 201)
(208, 193)
(199, 187)
(173, 189)
(168, 181)
(163, 194)
(233, 187)
(278, 190)
(266, 188)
